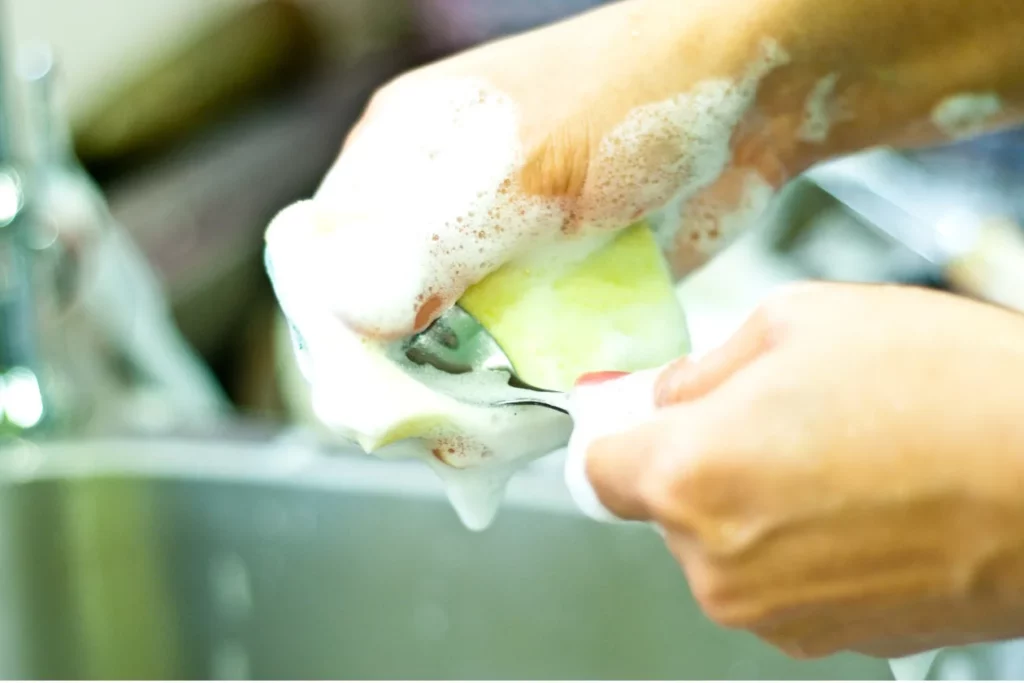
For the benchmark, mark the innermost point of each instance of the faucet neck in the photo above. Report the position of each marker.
(48, 135)
(13, 113)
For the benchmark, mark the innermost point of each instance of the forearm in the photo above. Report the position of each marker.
(692, 112)
(877, 72)
(846, 76)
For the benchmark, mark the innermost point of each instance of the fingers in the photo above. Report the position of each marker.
(688, 380)
(605, 403)
(616, 468)
(334, 260)
(621, 468)
(422, 205)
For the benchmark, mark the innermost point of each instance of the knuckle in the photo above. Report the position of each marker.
(715, 592)
(724, 611)
(670, 486)
(772, 309)
(805, 649)
(373, 103)
(659, 491)
(377, 99)
(772, 316)
(385, 93)
(723, 601)
(705, 586)
(692, 489)
(793, 649)
(728, 598)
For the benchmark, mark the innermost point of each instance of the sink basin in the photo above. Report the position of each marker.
(267, 558)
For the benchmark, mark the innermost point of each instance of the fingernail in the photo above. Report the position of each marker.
(428, 311)
(599, 377)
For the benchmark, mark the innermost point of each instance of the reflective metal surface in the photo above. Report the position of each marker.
(265, 559)
(86, 336)
(457, 344)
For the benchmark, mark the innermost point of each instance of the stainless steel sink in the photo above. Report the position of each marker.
(265, 558)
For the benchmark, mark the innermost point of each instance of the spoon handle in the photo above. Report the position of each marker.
(556, 400)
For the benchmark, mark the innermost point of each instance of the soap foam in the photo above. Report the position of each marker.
(361, 392)
(664, 153)
(425, 205)
(964, 115)
(443, 185)
(818, 111)
(358, 390)
(711, 223)
(599, 410)
(474, 449)
(420, 206)
(476, 494)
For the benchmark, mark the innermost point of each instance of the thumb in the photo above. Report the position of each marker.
(621, 428)
(689, 379)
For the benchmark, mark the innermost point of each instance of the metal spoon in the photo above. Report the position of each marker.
(457, 344)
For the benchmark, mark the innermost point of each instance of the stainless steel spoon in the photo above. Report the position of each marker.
(458, 345)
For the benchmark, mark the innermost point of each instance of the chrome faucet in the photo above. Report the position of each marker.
(22, 407)
(87, 340)
(21, 401)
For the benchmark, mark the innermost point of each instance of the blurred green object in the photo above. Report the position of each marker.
(129, 625)
(103, 335)
(254, 556)
(248, 54)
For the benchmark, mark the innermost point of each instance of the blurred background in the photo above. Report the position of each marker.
(144, 147)
(198, 120)
(177, 128)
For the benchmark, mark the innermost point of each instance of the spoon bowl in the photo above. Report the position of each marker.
(458, 346)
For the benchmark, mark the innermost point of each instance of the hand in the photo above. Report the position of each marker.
(637, 109)
(846, 473)
(689, 114)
